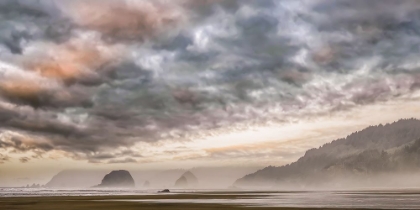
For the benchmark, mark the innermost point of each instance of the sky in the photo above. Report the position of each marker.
(162, 84)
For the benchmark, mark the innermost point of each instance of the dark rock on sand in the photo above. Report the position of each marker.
(164, 191)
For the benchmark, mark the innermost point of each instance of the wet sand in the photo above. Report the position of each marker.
(128, 202)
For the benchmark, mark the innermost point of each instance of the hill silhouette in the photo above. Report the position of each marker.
(375, 151)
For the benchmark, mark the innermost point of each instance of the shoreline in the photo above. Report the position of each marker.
(147, 202)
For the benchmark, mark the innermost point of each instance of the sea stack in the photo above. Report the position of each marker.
(187, 180)
(117, 179)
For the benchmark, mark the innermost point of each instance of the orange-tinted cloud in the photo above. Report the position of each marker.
(20, 143)
(23, 91)
(54, 67)
(68, 62)
(37, 94)
(123, 19)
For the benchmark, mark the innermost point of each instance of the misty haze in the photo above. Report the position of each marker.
(209, 104)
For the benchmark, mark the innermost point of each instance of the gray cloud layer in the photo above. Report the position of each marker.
(86, 81)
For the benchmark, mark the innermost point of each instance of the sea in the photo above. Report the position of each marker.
(366, 199)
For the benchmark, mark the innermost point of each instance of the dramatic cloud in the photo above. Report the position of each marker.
(120, 20)
(94, 78)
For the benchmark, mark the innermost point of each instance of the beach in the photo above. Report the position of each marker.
(216, 200)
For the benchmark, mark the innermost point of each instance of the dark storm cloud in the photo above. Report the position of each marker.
(24, 21)
(80, 79)
(22, 24)
(28, 93)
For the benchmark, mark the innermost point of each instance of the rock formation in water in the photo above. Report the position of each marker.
(117, 179)
(210, 177)
(76, 179)
(34, 186)
(187, 180)
(181, 182)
